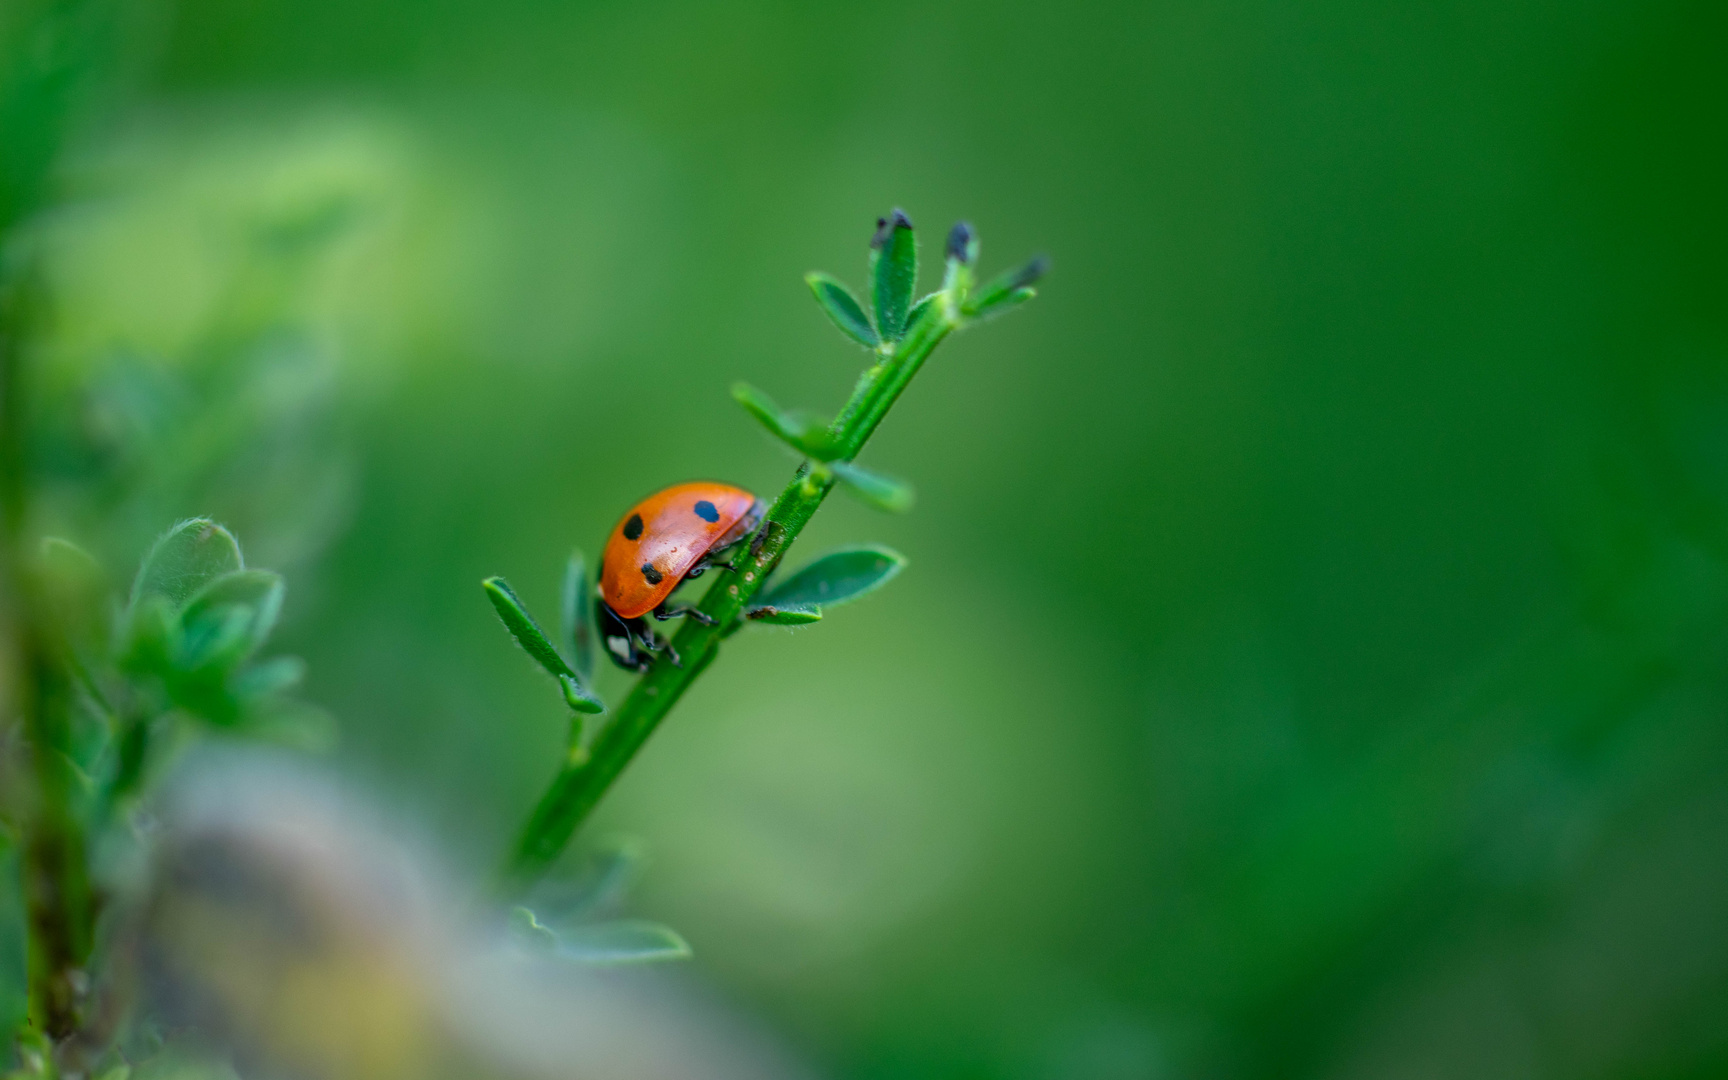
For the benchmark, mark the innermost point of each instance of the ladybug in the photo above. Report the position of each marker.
(665, 540)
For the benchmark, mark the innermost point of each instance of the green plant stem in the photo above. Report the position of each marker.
(58, 900)
(583, 781)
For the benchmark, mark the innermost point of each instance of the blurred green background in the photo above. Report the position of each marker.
(1314, 655)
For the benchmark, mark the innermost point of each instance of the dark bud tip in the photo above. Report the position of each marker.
(1032, 271)
(885, 227)
(960, 241)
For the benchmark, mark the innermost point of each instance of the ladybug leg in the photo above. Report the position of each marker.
(687, 611)
(713, 561)
(650, 644)
(654, 643)
(621, 637)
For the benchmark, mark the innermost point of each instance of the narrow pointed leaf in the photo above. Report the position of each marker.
(627, 941)
(184, 559)
(893, 273)
(1004, 304)
(1005, 287)
(798, 430)
(577, 611)
(836, 578)
(533, 640)
(776, 615)
(882, 492)
(848, 314)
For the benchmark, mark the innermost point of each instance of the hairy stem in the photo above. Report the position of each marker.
(579, 786)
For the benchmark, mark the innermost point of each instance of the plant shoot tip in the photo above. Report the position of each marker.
(962, 242)
(887, 226)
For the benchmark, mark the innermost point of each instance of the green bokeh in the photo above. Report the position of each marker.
(1311, 657)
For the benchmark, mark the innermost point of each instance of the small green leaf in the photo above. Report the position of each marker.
(1004, 304)
(523, 628)
(627, 941)
(1007, 290)
(184, 559)
(257, 592)
(775, 615)
(922, 308)
(893, 273)
(802, 432)
(836, 578)
(848, 314)
(882, 492)
(577, 616)
(533, 640)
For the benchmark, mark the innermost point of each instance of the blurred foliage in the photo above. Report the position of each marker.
(1311, 656)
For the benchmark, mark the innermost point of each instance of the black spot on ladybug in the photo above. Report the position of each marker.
(706, 511)
(654, 576)
(633, 527)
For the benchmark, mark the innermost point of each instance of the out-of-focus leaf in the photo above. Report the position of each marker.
(14, 993)
(217, 638)
(784, 616)
(528, 931)
(576, 611)
(273, 676)
(533, 640)
(627, 941)
(297, 725)
(152, 641)
(893, 273)
(184, 559)
(801, 431)
(882, 492)
(599, 885)
(836, 578)
(78, 590)
(848, 314)
(257, 592)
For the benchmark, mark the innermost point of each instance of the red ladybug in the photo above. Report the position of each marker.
(666, 539)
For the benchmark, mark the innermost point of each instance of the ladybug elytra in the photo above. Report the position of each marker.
(666, 539)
